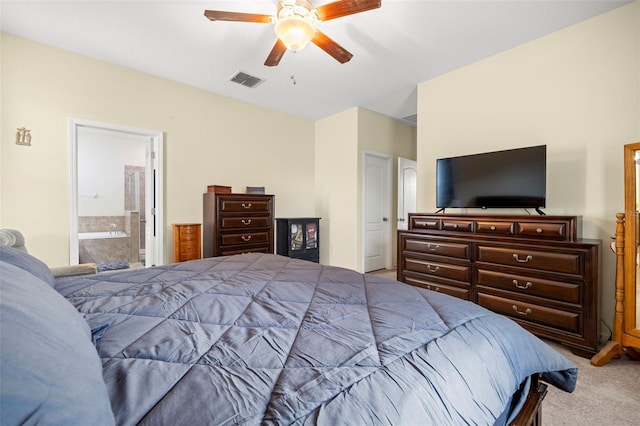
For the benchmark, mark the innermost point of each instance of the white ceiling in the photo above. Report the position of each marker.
(395, 47)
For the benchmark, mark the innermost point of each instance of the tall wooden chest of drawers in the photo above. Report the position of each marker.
(237, 223)
(533, 269)
(186, 241)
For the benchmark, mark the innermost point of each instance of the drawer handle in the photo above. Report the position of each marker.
(493, 228)
(524, 287)
(525, 260)
(432, 247)
(246, 238)
(455, 226)
(525, 313)
(436, 289)
(248, 222)
(432, 268)
(539, 230)
(246, 206)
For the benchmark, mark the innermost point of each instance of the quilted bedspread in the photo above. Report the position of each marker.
(265, 339)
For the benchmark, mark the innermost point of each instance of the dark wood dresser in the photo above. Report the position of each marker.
(237, 223)
(533, 269)
(186, 241)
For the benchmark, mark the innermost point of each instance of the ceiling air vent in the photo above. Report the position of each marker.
(245, 79)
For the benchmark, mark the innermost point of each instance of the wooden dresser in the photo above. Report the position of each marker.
(533, 269)
(186, 241)
(237, 223)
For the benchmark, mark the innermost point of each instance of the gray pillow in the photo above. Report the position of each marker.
(24, 260)
(50, 372)
(12, 238)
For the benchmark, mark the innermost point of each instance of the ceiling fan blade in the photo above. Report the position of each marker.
(221, 15)
(341, 8)
(338, 52)
(276, 54)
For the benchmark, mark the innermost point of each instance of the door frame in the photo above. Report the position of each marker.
(386, 200)
(403, 164)
(154, 178)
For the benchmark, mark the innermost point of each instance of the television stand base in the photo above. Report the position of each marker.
(540, 212)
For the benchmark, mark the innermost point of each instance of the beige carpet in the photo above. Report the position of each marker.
(607, 395)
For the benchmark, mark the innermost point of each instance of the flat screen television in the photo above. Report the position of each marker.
(514, 178)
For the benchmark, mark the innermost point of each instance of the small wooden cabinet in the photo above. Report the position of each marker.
(533, 269)
(186, 241)
(237, 223)
(299, 238)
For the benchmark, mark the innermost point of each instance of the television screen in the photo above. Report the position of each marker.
(513, 178)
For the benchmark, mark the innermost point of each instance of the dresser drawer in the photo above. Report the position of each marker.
(550, 230)
(553, 290)
(244, 222)
(188, 252)
(244, 238)
(566, 262)
(438, 269)
(244, 206)
(555, 318)
(231, 250)
(188, 230)
(461, 293)
(418, 222)
(495, 227)
(457, 225)
(442, 248)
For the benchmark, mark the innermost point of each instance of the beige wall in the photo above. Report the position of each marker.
(576, 90)
(209, 139)
(336, 187)
(341, 141)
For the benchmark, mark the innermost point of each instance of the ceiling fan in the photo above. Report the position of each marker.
(295, 25)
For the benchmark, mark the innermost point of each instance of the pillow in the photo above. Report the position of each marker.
(50, 372)
(25, 261)
(12, 238)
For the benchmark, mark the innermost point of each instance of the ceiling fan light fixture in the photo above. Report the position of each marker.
(295, 23)
(295, 32)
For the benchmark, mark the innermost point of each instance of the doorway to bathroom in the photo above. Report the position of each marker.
(116, 195)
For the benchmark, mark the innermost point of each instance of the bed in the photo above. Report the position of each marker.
(264, 339)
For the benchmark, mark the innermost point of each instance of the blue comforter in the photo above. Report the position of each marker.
(265, 339)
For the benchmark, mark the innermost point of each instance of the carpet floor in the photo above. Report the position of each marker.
(607, 395)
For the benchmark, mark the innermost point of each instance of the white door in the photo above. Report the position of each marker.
(407, 176)
(377, 208)
(94, 140)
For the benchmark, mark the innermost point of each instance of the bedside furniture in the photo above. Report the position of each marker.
(237, 223)
(186, 241)
(533, 269)
(299, 238)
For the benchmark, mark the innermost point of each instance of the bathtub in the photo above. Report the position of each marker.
(101, 235)
(105, 247)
